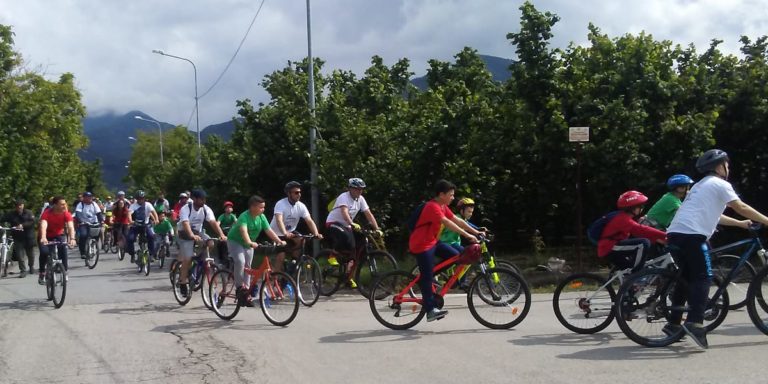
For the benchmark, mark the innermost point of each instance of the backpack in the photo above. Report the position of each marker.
(413, 218)
(140, 214)
(595, 230)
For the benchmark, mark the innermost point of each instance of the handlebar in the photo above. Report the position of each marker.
(10, 229)
(755, 227)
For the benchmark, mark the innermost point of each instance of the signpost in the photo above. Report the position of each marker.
(578, 135)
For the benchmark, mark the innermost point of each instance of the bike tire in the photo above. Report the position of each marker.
(205, 282)
(333, 275)
(49, 287)
(120, 253)
(739, 285)
(375, 264)
(147, 263)
(92, 254)
(171, 267)
(278, 296)
(583, 303)
(161, 254)
(309, 280)
(59, 280)
(223, 293)
(756, 301)
(505, 310)
(384, 307)
(3, 261)
(176, 275)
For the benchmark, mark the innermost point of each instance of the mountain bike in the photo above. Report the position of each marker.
(107, 245)
(584, 302)
(723, 263)
(199, 276)
(143, 259)
(55, 275)
(498, 298)
(306, 271)
(369, 262)
(277, 292)
(92, 246)
(6, 249)
(164, 250)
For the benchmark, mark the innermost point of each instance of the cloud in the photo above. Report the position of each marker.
(107, 45)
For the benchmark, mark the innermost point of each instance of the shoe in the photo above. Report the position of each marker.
(671, 329)
(184, 289)
(249, 302)
(23, 274)
(436, 314)
(133, 259)
(82, 256)
(31, 271)
(697, 333)
(332, 261)
(41, 279)
(352, 284)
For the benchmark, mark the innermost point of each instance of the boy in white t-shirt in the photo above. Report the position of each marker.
(287, 214)
(687, 235)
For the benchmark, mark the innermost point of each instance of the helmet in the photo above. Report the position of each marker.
(120, 193)
(87, 194)
(356, 182)
(140, 194)
(465, 202)
(228, 204)
(291, 185)
(678, 180)
(108, 197)
(183, 195)
(710, 160)
(109, 213)
(631, 199)
(198, 194)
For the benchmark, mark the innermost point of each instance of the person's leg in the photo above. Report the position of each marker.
(63, 252)
(82, 232)
(129, 240)
(151, 245)
(699, 277)
(43, 259)
(186, 250)
(30, 251)
(237, 252)
(18, 255)
(425, 262)
(629, 253)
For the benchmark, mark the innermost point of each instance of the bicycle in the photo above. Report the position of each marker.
(55, 275)
(200, 274)
(92, 246)
(278, 293)
(723, 264)
(164, 250)
(370, 262)
(396, 302)
(107, 245)
(143, 258)
(307, 273)
(120, 243)
(584, 302)
(6, 249)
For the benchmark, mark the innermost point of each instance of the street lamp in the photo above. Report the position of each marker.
(312, 129)
(197, 110)
(159, 128)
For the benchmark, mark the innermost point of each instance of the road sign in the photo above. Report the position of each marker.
(578, 134)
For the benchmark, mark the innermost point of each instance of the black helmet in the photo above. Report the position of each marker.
(710, 160)
(140, 194)
(291, 185)
(198, 194)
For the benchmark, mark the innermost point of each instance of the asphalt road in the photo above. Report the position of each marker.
(120, 327)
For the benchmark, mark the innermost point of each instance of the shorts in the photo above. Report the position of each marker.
(187, 247)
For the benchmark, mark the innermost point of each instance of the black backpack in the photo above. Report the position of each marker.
(595, 230)
(413, 218)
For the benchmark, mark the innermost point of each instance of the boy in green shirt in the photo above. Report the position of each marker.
(227, 219)
(661, 214)
(163, 230)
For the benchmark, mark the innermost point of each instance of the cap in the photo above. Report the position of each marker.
(87, 194)
(228, 204)
(183, 195)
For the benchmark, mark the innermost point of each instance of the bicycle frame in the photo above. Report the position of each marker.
(664, 261)
(450, 262)
(262, 272)
(756, 245)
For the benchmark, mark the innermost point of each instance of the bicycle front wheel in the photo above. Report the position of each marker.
(333, 275)
(223, 294)
(3, 261)
(371, 267)
(392, 303)
(737, 288)
(583, 303)
(309, 280)
(205, 282)
(499, 298)
(279, 298)
(59, 285)
(145, 262)
(177, 294)
(757, 307)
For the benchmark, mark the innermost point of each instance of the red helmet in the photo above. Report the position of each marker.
(631, 199)
(228, 204)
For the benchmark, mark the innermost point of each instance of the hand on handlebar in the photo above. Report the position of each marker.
(319, 236)
(282, 243)
(473, 239)
(71, 243)
(746, 224)
(43, 241)
(290, 235)
(356, 227)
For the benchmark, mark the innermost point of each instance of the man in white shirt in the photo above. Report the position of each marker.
(87, 213)
(286, 217)
(141, 213)
(687, 235)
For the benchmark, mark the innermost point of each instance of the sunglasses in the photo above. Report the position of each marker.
(295, 192)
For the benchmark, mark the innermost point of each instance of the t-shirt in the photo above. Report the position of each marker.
(162, 205)
(291, 214)
(254, 224)
(195, 217)
(121, 217)
(56, 222)
(428, 226)
(346, 200)
(226, 220)
(621, 227)
(703, 206)
(140, 213)
(87, 213)
(664, 210)
(164, 227)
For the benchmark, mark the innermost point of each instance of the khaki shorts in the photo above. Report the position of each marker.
(187, 247)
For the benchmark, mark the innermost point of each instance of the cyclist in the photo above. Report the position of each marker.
(624, 241)
(449, 244)
(87, 212)
(161, 203)
(52, 225)
(660, 215)
(108, 203)
(286, 217)
(692, 226)
(342, 229)
(226, 220)
(424, 240)
(120, 196)
(23, 220)
(141, 213)
(190, 230)
(163, 231)
(121, 221)
(183, 199)
(241, 242)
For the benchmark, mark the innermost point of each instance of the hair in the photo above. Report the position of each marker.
(55, 200)
(253, 200)
(444, 186)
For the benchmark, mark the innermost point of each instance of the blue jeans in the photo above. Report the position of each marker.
(691, 254)
(426, 263)
(45, 250)
(133, 233)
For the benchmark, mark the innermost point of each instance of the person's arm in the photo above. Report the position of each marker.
(453, 227)
(246, 237)
(273, 236)
(745, 210)
(153, 214)
(312, 227)
(369, 215)
(215, 225)
(71, 232)
(345, 214)
(43, 229)
(281, 225)
(463, 225)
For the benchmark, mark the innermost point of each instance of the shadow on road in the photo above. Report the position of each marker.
(566, 339)
(166, 287)
(390, 335)
(143, 310)
(28, 305)
(190, 326)
(743, 329)
(634, 352)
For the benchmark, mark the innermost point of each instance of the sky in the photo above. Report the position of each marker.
(108, 44)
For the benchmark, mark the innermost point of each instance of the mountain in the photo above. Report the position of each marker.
(498, 66)
(223, 130)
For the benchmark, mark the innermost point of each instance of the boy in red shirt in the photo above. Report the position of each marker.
(52, 224)
(423, 240)
(615, 242)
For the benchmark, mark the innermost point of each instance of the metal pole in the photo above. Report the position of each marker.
(160, 129)
(579, 229)
(312, 130)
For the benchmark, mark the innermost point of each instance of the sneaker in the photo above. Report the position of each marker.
(697, 333)
(332, 261)
(23, 274)
(352, 284)
(671, 329)
(31, 271)
(41, 279)
(184, 289)
(436, 314)
(249, 302)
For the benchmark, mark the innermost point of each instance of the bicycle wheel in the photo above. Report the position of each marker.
(205, 282)
(371, 267)
(333, 275)
(279, 299)
(49, 286)
(387, 305)
(92, 254)
(3, 261)
(756, 303)
(737, 288)
(175, 276)
(120, 253)
(171, 267)
(161, 254)
(495, 302)
(583, 303)
(223, 294)
(59, 285)
(309, 279)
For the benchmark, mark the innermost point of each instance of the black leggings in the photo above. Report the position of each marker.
(691, 253)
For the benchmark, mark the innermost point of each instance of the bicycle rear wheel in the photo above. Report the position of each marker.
(583, 303)
(205, 282)
(279, 298)
(371, 267)
(171, 267)
(757, 307)
(223, 294)
(333, 275)
(386, 302)
(161, 254)
(499, 298)
(737, 288)
(175, 276)
(309, 279)
(59, 285)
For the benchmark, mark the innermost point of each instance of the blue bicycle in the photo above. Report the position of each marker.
(742, 270)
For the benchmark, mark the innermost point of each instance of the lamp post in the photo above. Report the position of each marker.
(312, 129)
(197, 110)
(160, 129)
